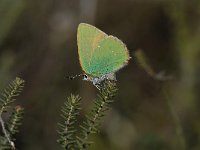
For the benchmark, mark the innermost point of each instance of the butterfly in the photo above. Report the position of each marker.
(100, 55)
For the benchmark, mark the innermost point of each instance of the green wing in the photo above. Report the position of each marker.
(88, 38)
(110, 55)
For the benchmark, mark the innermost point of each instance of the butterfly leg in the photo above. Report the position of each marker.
(98, 86)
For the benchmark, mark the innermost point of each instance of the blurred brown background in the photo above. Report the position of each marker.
(38, 43)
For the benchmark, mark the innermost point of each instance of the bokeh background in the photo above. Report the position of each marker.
(38, 43)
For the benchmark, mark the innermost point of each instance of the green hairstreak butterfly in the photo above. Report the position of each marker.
(100, 55)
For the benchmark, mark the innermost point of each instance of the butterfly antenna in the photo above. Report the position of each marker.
(73, 77)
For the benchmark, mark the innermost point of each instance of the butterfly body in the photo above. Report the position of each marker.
(97, 80)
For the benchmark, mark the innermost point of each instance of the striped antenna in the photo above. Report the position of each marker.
(73, 77)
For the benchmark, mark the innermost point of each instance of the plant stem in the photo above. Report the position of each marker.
(6, 133)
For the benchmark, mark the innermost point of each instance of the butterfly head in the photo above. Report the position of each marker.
(85, 77)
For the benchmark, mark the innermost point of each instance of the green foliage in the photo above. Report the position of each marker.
(15, 120)
(90, 125)
(67, 128)
(10, 93)
(9, 129)
(12, 128)
(4, 145)
(69, 137)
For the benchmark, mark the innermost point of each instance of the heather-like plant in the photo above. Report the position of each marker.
(11, 126)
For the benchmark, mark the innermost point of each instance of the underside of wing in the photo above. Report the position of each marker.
(88, 38)
(110, 55)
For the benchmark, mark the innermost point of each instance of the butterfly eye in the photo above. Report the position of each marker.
(85, 76)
